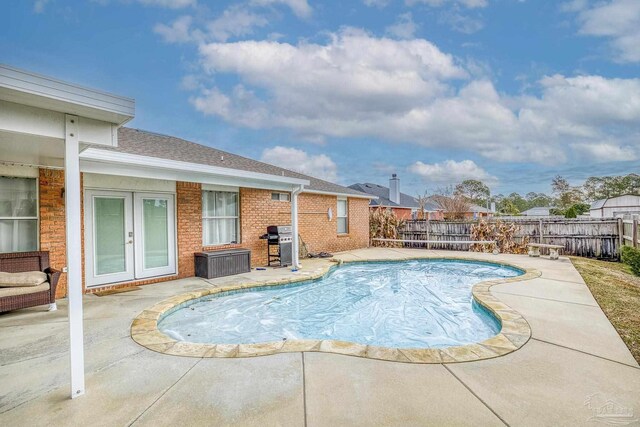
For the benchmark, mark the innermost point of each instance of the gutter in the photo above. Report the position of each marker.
(294, 227)
(333, 193)
(115, 157)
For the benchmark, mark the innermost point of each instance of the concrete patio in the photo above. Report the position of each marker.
(573, 365)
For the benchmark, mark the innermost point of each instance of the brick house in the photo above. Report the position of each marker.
(403, 205)
(148, 202)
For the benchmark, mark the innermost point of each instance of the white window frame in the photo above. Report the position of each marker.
(26, 218)
(280, 197)
(346, 216)
(205, 218)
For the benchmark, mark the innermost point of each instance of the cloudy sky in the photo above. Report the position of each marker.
(511, 92)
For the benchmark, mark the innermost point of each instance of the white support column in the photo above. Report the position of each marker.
(74, 254)
(294, 227)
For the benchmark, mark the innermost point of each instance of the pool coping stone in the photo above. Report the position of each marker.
(515, 331)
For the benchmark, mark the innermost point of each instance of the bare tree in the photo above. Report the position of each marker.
(422, 202)
(455, 206)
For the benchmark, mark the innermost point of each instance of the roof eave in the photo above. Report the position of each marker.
(114, 157)
(335, 193)
(36, 90)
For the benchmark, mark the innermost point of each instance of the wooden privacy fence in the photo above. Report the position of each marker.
(594, 238)
(630, 231)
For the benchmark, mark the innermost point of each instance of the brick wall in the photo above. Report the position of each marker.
(320, 234)
(52, 221)
(189, 221)
(257, 211)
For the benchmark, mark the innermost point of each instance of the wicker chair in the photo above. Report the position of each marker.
(29, 261)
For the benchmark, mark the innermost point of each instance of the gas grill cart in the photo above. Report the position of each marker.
(279, 245)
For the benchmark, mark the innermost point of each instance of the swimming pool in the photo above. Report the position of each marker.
(407, 304)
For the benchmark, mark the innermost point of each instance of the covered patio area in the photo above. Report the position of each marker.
(574, 364)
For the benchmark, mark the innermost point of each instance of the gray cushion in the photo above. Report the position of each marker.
(23, 290)
(27, 278)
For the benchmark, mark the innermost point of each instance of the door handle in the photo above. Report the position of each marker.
(130, 242)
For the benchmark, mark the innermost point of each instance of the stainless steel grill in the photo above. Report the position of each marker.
(280, 237)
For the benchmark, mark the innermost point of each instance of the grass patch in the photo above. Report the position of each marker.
(618, 293)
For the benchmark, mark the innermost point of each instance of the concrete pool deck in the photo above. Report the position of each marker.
(573, 365)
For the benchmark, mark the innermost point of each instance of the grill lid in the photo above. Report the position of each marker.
(279, 229)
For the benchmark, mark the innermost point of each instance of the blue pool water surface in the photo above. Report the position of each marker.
(407, 304)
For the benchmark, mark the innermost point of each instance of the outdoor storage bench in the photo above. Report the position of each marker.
(27, 280)
(214, 264)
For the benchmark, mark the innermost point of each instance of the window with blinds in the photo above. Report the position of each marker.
(220, 218)
(18, 214)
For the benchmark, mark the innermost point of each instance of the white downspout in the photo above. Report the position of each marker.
(294, 227)
(74, 253)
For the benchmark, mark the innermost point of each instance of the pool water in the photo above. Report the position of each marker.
(407, 304)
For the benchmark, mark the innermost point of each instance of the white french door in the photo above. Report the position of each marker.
(154, 225)
(128, 236)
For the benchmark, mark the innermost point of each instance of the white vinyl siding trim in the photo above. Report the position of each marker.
(220, 218)
(342, 216)
(18, 214)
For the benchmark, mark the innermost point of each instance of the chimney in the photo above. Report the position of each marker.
(394, 189)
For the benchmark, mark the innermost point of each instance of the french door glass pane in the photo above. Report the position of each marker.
(156, 233)
(18, 235)
(109, 235)
(220, 231)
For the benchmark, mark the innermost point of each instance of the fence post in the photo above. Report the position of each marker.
(634, 232)
(428, 233)
(540, 231)
(620, 234)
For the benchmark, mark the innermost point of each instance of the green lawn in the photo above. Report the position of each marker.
(618, 293)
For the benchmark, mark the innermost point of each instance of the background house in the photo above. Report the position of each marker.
(615, 207)
(541, 211)
(403, 205)
(472, 211)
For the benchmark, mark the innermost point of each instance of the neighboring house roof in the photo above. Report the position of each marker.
(143, 143)
(478, 208)
(382, 194)
(537, 211)
(599, 204)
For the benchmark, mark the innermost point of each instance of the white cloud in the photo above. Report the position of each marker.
(403, 28)
(461, 23)
(299, 7)
(178, 32)
(319, 166)
(376, 3)
(170, 4)
(348, 87)
(471, 4)
(39, 5)
(605, 152)
(235, 21)
(451, 172)
(617, 20)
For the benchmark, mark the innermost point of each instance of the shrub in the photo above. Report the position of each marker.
(383, 223)
(631, 257)
(503, 233)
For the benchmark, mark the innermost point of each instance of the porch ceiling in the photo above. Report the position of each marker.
(31, 150)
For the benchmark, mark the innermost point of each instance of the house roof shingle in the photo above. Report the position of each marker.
(382, 193)
(144, 143)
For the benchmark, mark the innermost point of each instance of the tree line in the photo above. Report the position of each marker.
(565, 199)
